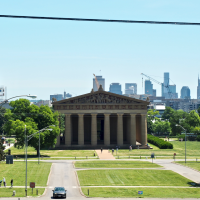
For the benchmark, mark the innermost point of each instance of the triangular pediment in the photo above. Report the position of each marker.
(101, 97)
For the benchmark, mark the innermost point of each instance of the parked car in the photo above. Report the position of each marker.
(59, 192)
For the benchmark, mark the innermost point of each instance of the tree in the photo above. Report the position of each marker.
(150, 117)
(2, 154)
(35, 118)
(169, 112)
(2, 118)
(176, 118)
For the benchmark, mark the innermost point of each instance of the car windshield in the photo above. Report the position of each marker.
(59, 189)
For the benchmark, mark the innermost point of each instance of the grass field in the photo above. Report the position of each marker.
(127, 177)
(115, 164)
(36, 173)
(20, 192)
(193, 150)
(147, 192)
(192, 164)
(52, 153)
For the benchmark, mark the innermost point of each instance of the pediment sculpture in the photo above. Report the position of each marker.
(100, 98)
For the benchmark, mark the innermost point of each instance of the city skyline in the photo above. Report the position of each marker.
(44, 57)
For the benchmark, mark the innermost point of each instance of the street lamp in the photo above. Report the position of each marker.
(185, 139)
(6, 100)
(27, 138)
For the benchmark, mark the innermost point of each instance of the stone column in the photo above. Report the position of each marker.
(80, 129)
(94, 129)
(120, 129)
(106, 129)
(68, 129)
(144, 129)
(133, 130)
(58, 141)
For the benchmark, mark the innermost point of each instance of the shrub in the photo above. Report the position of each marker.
(159, 142)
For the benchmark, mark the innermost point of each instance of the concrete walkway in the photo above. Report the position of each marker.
(187, 172)
(105, 154)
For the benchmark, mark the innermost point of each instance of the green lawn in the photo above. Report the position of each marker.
(20, 192)
(115, 164)
(193, 150)
(52, 153)
(127, 177)
(36, 173)
(147, 192)
(192, 164)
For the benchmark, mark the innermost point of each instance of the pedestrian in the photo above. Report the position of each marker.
(4, 182)
(112, 151)
(101, 149)
(11, 183)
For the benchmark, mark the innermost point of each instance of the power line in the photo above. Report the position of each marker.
(101, 20)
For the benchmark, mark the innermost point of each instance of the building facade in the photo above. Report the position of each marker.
(58, 97)
(148, 87)
(185, 92)
(101, 81)
(115, 88)
(103, 119)
(198, 89)
(130, 88)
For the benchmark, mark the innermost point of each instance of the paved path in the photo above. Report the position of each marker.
(182, 170)
(8, 147)
(105, 154)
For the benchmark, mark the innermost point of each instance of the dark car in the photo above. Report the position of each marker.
(59, 192)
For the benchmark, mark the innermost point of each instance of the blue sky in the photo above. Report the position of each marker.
(45, 57)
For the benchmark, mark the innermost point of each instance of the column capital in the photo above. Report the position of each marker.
(107, 114)
(120, 114)
(80, 114)
(67, 115)
(133, 114)
(94, 114)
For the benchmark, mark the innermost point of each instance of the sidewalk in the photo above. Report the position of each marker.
(105, 154)
(8, 147)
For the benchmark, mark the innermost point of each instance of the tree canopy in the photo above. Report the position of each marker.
(35, 118)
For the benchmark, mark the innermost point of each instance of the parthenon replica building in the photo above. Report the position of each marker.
(103, 119)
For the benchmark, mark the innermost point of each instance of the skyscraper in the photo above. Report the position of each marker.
(148, 87)
(101, 81)
(115, 88)
(130, 88)
(198, 89)
(185, 92)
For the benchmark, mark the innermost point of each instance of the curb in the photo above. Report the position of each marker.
(79, 185)
(47, 181)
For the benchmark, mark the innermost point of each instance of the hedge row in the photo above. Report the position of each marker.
(159, 142)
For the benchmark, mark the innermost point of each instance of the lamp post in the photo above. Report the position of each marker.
(5, 101)
(185, 139)
(27, 138)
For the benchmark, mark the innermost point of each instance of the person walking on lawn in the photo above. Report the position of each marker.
(11, 183)
(4, 182)
(101, 149)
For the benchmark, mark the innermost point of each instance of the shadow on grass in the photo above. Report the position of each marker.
(21, 156)
(193, 184)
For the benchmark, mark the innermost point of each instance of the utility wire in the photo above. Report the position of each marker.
(100, 20)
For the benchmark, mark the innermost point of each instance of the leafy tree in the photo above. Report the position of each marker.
(2, 154)
(161, 126)
(150, 117)
(169, 112)
(35, 118)
(176, 118)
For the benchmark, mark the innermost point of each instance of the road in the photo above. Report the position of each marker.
(63, 174)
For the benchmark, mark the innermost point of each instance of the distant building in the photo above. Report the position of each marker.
(148, 87)
(43, 102)
(185, 92)
(130, 88)
(115, 88)
(101, 81)
(67, 95)
(168, 91)
(58, 97)
(198, 89)
(154, 92)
